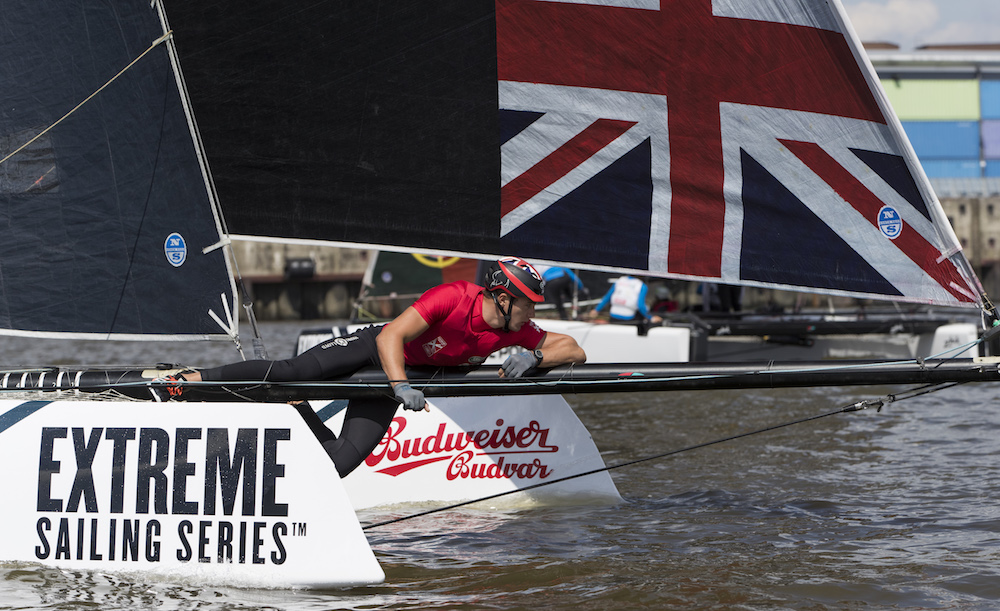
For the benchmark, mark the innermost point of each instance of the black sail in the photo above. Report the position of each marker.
(105, 215)
(348, 122)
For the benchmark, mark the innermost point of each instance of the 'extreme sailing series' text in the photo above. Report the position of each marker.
(156, 499)
(481, 454)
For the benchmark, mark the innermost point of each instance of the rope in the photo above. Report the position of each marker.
(853, 407)
(88, 98)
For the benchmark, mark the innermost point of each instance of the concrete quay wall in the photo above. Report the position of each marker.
(300, 282)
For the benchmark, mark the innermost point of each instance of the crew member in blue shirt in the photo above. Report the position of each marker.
(627, 298)
(559, 283)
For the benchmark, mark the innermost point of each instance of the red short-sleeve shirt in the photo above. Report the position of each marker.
(458, 335)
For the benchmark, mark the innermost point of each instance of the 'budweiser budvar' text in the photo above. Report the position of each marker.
(398, 453)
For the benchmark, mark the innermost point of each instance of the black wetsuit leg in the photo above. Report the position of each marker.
(729, 296)
(365, 424)
(561, 291)
(330, 359)
(366, 420)
(312, 420)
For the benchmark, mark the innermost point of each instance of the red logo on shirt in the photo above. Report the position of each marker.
(435, 345)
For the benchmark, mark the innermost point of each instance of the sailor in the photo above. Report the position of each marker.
(628, 303)
(454, 324)
(560, 283)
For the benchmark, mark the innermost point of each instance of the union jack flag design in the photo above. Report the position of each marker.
(734, 140)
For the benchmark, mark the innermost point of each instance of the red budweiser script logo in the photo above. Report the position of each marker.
(470, 452)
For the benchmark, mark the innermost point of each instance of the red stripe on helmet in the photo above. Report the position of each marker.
(530, 294)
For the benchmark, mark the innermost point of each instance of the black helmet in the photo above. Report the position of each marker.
(515, 277)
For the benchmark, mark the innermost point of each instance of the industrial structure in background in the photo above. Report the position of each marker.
(946, 96)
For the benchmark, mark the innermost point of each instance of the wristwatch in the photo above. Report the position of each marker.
(538, 355)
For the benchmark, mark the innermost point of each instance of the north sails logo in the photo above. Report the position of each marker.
(435, 345)
(175, 249)
(473, 454)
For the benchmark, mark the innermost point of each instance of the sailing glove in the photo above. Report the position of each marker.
(517, 364)
(411, 398)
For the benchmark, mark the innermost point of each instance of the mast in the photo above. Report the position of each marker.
(231, 326)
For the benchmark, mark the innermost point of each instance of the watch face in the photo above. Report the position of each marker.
(538, 355)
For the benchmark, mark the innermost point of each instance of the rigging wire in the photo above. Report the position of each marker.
(153, 45)
(853, 407)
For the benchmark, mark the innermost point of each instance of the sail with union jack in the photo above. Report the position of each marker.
(735, 141)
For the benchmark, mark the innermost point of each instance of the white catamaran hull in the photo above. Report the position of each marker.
(945, 339)
(224, 493)
(615, 343)
(468, 448)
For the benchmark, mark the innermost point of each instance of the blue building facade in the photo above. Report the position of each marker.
(948, 101)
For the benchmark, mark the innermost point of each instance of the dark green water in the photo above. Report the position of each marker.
(898, 509)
